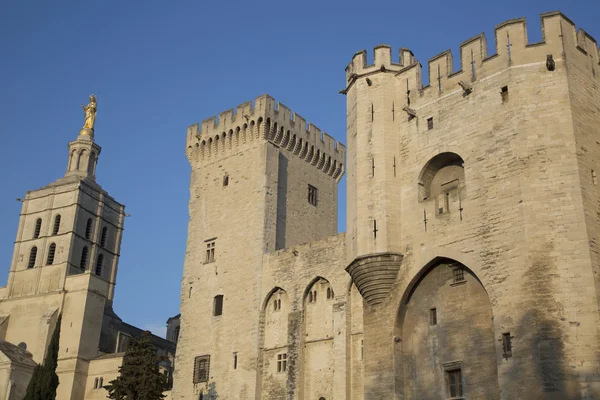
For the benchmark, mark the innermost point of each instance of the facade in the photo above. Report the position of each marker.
(65, 262)
(470, 266)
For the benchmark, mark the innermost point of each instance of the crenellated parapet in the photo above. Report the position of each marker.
(559, 34)
(264, 120)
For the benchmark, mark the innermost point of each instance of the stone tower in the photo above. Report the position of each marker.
(65, 261)
(472, 217)
(261, 180)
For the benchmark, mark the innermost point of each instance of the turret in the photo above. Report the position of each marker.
(83, 152)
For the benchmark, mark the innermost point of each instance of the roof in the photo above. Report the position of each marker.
(16, 354)
(156, 340)
(173, 318)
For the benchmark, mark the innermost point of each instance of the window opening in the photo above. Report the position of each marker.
(201, 369)
(88, 228)
(56, 225)
(99, 263)
(330, 294)
(433, 316)
(210, 251)
(235, 360)
(226, 180)
(38, 228)
(504, 93)
(84, 256)
(458, 274)
(51, 252)
(218, 305)
(32, 256)
(282, 362)
(429, 123)
(103, 237)
(454, 383)
(96, 383)
(313, 193)
(507, 345)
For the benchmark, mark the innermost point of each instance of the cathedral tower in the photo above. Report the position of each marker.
(65, 261)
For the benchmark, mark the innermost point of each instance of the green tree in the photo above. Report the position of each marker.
(139, 377)
(44, 380)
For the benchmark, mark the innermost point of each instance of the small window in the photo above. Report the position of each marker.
(84, 258)
(235, 360)
(433, 317)
(277, 305)
(96, 381)
(226, 180)
(312, 296)
(504, 93)
(103, 237)
(56, 227)
(429, 123)
(210, 251)
(313, 194)
(32, 256)
(99, 263)
(330, 294)
(201, 369)
(282, 362)
(507, 345)
(88, 228)
(454, 380)
(458, 274)
(51, 252)
(218, 305)
(38, 228)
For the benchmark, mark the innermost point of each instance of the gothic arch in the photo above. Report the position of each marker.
(444, 324)
(443, 172)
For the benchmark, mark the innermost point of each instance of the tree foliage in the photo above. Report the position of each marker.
(44, 380)
(139, 376)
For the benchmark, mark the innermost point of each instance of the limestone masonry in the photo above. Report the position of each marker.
(470, 265)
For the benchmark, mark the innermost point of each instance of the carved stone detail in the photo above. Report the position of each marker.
(374, 275)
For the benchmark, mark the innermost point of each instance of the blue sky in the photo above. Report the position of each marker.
(159, 66)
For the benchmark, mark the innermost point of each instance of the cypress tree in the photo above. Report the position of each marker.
(44, 380)
(139, 376)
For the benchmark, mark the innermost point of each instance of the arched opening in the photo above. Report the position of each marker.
(442, 180)
(32, 257)
(84, 258)
(318, 355)
(99, 262)
(88, 228)
(51, 252)
(81, 160)
(447, 345)
(38, 228)
(56, 227)
(103, 236)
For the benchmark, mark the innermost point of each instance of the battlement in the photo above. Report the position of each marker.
(512, 48)
(265, 120)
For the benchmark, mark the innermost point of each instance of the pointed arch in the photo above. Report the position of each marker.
(38, 228)
(32, 257)
(51, 253)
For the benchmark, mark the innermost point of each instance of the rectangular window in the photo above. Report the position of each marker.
(432, 317)
(226, 180)
(201, 369)
(234, 360)
(282, 362)
(458, 274)
(218, 305)
(210, 251)
(454, 378)
(429, 123)
(313, 195)
(507, 344)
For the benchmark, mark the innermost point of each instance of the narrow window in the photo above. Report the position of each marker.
(454, 383)
(99, 263)
(458, 274)
(190, 293)
(234, 360)
(210, 251)
(56, 225)
(51, 252)
(313, 193)
(433, 316)
(218, 305)
(201, 369)
(96, 383)
(315, 295)
(362, 349)
(328, 293)
(429, 123)
(103, 237)
(84, 256)
(32, 256)
(226, 180)
(507, 345)
(310, 297)
(282, 362)
(38, 228)
(504, 93)
(88, 228)
(279, 304)
(275, 305)
(594, 177)
(101, 384)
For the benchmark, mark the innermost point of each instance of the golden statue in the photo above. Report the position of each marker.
(90, 115)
